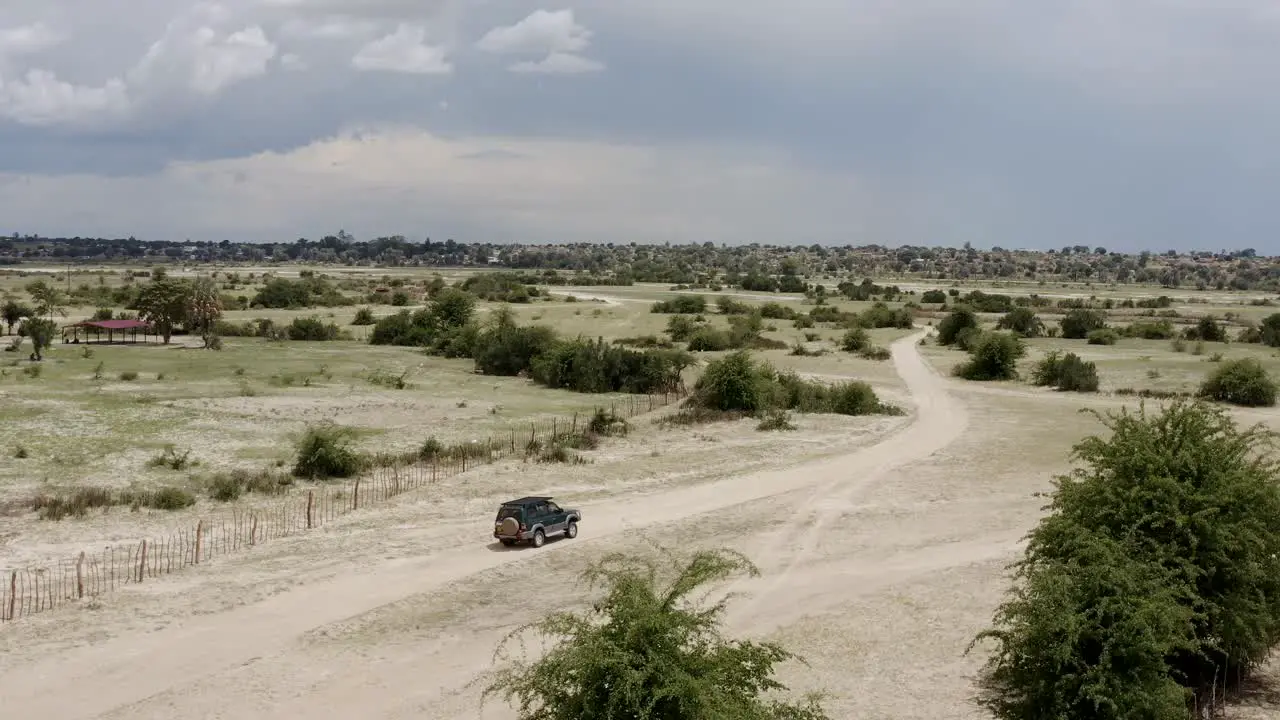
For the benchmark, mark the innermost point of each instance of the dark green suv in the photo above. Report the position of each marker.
(533, 520)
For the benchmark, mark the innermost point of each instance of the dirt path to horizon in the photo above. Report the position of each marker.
(879, 565)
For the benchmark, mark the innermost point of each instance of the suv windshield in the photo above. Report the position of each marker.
(507, 511)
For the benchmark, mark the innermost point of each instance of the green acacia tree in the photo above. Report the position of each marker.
(646, 653)
(12, 312)
(165, 304)
(40, 331)
(1155, 577)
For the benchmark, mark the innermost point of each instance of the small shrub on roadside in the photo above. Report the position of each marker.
(1178, 345)
(129, 376)
(604, 422)
(33, 371)
(325, 452)
(875, 353)
(20, 453)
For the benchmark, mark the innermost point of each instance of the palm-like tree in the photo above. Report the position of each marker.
(646, 653)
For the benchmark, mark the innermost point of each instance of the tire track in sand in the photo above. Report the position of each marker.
(94, 680)
(939, 421)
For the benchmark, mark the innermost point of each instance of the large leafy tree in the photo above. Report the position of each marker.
(1155, 577)
(645, 652)
(205, 308)
(165, 304)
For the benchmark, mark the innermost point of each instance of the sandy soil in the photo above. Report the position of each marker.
(880, 563)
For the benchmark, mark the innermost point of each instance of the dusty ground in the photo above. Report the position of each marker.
(882, 544)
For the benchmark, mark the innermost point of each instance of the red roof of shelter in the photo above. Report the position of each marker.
(114, 324)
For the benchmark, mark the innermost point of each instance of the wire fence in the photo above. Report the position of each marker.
(28, 591)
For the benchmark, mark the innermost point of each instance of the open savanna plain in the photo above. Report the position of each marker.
(882, 540)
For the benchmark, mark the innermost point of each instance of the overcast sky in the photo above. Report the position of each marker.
(1023, 123)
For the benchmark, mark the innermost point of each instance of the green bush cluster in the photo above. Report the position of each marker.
(1077, 324)
(682, 304)
(1153, 582)
(992, 356)
(1066, 372)
(957, 320)
(1022, 321)
(312, 329)
(447, 327)
(1240, 382)
(737, 383)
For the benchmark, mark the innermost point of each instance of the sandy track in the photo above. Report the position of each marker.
(254, 661)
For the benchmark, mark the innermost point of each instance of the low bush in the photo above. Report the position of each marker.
(776, 420)
(1022, 321)
(228, 486)
(129, 375)
(993, 356)
(312, 329)
(364, 316)
(1157, 330)
(1103, 336)
(957, 320)
(875, 352)
(1066, 372)
(1240, 382)
(683, 304)
(738, 384)
(1077, 324)
(855, 340)
(324, 451)
(171, 459)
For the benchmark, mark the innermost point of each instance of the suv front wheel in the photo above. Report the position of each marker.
(571, 532)
(539, 538)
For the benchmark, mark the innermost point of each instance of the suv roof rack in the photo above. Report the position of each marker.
(530, 500)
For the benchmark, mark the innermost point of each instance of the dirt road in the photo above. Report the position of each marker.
(403, 637)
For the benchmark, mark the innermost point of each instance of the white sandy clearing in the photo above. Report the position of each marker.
(879, 566)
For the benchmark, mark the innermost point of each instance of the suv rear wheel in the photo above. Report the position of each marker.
(539, 538)
(571, 532)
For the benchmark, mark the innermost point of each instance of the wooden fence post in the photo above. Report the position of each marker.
(464, 461)
(142, 561)
(310, 501)
(573, 430)
(80, 576)
(513, 440)
(253, 531)
(13, 592)
(199, 540)
(554, 433)
(355, 496)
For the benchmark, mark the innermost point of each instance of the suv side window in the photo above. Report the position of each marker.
(540, 509)
(553, 508)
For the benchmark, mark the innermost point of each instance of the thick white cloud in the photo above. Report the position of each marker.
(40, 98)
(203, 61)
(404, 51)
(554, 35)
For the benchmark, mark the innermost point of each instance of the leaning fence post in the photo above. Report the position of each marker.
(199, 540)
(80, 576)
(13, 592)
(310, 501)
(253, 531)
(142, 561)
(355, 496)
